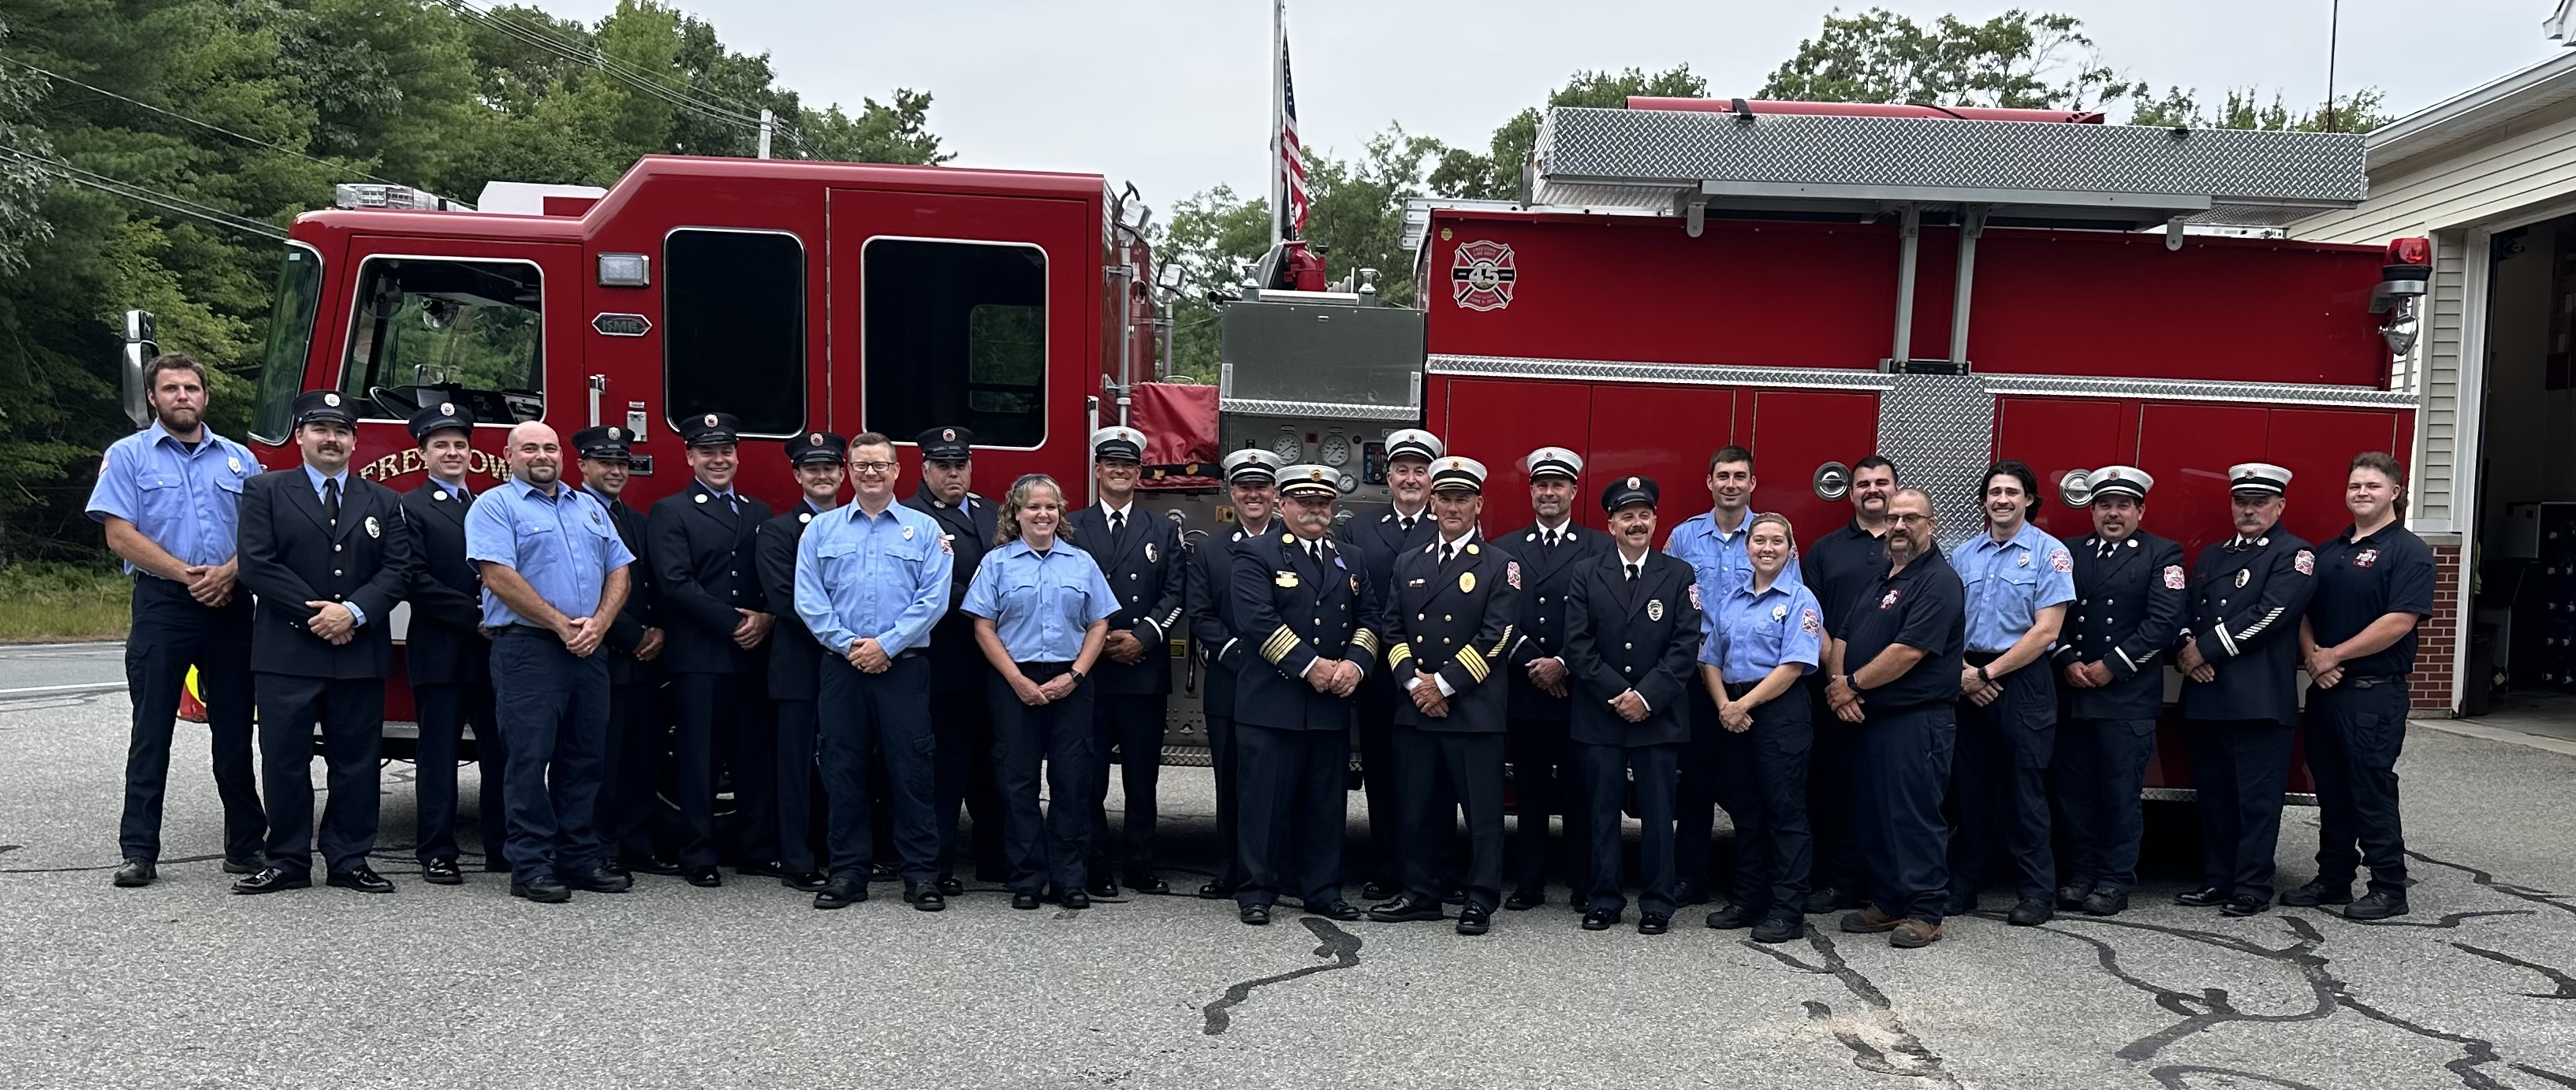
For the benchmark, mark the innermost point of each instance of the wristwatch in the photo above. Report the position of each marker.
(1983, 676)
(1077, 674)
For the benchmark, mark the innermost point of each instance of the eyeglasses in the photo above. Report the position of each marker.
(871, 467)
(1908, 520)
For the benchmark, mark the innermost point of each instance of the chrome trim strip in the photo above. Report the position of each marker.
(1686, 373)
(2276, 393)
(1324, 409)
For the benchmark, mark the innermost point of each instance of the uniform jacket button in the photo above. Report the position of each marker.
(335, 571)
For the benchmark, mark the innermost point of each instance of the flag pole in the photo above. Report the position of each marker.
(1278, 121)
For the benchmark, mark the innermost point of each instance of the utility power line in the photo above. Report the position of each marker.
(170, 202)
(50, 74)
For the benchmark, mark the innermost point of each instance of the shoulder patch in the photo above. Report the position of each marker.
(1694, 595)
(1809, 623)
(2173, 577)
(2306, 562)
(2060, 562)
(1512, 573)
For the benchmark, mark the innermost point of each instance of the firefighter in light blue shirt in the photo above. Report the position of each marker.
(2019, 581)
(1765, 631)
(1041, 612)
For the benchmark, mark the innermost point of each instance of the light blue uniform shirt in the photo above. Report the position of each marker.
(317, 478)
(862, 576)
(1040, 603)
(2009, 581)
(1750, 634)
(187, 502)
(1719, 557)
(564, 545)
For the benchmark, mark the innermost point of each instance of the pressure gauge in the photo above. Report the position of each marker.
(1346, 483)
(1336, 449)
(1289, 448)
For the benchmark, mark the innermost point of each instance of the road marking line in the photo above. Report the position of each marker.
(41, 690)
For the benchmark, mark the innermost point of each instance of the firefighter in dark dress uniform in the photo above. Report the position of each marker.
(1632, 631)
(1451, 626)
(2110, 660)
(2374, 586)
(959, 676)
(1313, 622)
(795, 659)
(701, 544)
(1251, 482)
(1374, 544)
(326, 552)
(1544, 776)
(446, 656)
(1132, 682)
(2240, 694)
(631, 762)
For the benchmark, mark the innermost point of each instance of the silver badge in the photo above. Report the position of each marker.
(701, 497)
(1654, 609)
(332, 400)
(446, 408)
(373, 529)
(2244, 576)
(907, 533)
(1779, 613)
(233, 464)
(1149, 552)
(711, 420)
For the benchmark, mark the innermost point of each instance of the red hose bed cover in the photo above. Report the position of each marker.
(1179, 422)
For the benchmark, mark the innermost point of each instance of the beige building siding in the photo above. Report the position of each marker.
(2530, 161)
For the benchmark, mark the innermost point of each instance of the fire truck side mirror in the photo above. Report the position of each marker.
(1832, 481)
(2076, 488)
(139, 350)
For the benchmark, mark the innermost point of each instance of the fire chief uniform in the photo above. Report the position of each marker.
(1209, 591)
(2128, 603)
(701, 545)
(959, 676)
(1140, 554)
(2246, 598)
(1999, 778)
(631, 761)
(448, 661)
(1374, 545)
(307, 537)
(1296, 603)
(1453, 616)
(1544, 774)
(795, 665)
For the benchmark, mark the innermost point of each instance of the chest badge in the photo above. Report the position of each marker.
(1889, 601)
(2021, 561)
(233, 464)
(2173, 577)
(1286, 580)
(374, 528)
(2244, 576)
(2365, 558)
(1466, 582)
(1779, 613)
(2306, 562)
(1149, 552)
(1654, 609)
(907, 533)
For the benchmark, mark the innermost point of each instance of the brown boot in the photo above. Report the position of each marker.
(1868, 921)
(1910, 934)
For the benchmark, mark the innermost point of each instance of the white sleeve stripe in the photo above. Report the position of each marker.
(2260, 625)
(2224, 639)
(2124, 657)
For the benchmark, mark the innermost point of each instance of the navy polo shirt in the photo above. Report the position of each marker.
(1925, 606)
(1841, 567)
(2360, 580)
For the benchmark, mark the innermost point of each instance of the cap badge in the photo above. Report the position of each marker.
(374, 528)
(1635, 483)
(1654, 609)
(711, 420)
(616, 436)
(1466, 582)
(446, 408)
(816, 439)
(332, 400)
(948, 435)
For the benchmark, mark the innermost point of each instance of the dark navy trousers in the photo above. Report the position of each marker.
(1999, 786)
(1050, 848)
(1291, 814)
(887, 715)
(1132, 722)
(554, 720)
(171, 633)
(2101, 767)
(1765, 773)
(1472, 765)
(2239, 767)
(446, 710)
(2355, 732)
(1606, 772)
(1546, 780)
(798, 751)
(631, 771)
(351, 712)
(1904, 765)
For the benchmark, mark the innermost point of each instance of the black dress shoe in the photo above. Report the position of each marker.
(1474, 920)
(1654, 923)
(950, 887)
(2103, 902)
(1825, 899)
(841, 891)
(2376, 905)
(2247, 905)
(1335, 910)
(2072, 895)
(1778, 928)
(1025, 902)
(250, 865)
(364, 880)
(1522, 900)
(1075, 899)
(2030, 912)
(1378, 891)
(600, 880)
(1600, 919)
(926, 899)
(707, 877)
(1688, 894)
(272, 879)
(652, 864)
(1255, 915)
(760, 868)
(1104, 888)
(1215, 891)
(884, 872)
(1733, 918)
(1148, 883)
(1406, 909)
(545, 890)
(136, 873)
(811, 881)
(442, 871)
(2203, 897)
(2318, 892)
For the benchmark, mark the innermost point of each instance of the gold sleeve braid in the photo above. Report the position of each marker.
(1282, 640)
(1365, 640)
(1473, 661)
(1401, 651)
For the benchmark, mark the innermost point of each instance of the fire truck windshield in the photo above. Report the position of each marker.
(290, 338)
(429, 330)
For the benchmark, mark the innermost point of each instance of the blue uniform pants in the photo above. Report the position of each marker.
(886, 714)
(2101, 767)
(2355, 732)
(1291, 815)
(2239, 768)
(1904, 763)
(1606, 772)
(446, 710)
(1765, 770)
(1049, 848)
(554, 719)
(1999, 786)
(172, 632)
(351, 713)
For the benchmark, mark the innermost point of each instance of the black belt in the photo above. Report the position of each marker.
(1738, 690)
(2369, 681)
(1983, 658)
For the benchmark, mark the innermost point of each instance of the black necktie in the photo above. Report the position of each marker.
(331, 500)
(1632, 573)
(1117, 525)
(1406, 525)
(2109, 547)
(1447, 551)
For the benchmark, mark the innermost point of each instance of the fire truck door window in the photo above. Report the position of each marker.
(955, 333)
(290, 338)
(428, 330)
(733, 328)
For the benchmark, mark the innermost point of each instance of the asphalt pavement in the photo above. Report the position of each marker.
(184, 985)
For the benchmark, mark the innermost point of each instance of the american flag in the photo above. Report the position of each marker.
(1292, 157)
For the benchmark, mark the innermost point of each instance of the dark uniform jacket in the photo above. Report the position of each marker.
(1291, 611)
(626, 633)
(291, 554)
(956, 663)
(1545, 575)
(1458, 620)
(1622, 635)
(446, 593)
(2244, 614)
(1373, 544)
(1143, 566)
(2127, 607)
(1209, 594)
(795, 657)
(701, 553)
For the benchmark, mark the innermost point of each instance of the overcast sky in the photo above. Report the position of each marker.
(1174, 94)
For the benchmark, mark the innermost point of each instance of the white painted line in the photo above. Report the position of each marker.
(42, 690)
(2499, 734)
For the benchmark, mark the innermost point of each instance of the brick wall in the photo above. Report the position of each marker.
(2437, 642)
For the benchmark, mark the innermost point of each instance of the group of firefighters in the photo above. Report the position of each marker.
(1884, 723)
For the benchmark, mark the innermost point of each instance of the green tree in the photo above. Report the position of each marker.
(1496, 174)
(2360, 111)
(2016, 59)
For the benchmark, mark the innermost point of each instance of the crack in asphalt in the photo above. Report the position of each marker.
(2176, 1076)
(1342, 946)
(1922, 1063)
(2509, 889)
(2566, 984)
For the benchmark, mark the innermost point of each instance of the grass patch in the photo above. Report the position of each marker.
(49, 603)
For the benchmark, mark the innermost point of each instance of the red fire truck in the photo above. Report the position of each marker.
(1679, 275)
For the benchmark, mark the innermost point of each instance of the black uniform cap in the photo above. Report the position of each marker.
(709, 429)
(946, 444)
(1630, 490)
(817, 446)
(440, 417)
(316, 406)
(606, 444)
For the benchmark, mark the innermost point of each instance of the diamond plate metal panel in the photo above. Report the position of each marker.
(1674, 373)
(1325, 410)
(1938, 430)
(2231, 166)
